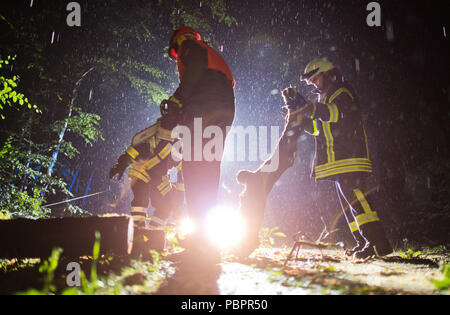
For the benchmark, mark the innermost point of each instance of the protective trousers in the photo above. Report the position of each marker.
(362, 220)
(201, 168)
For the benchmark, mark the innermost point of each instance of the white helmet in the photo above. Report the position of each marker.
(315, 67)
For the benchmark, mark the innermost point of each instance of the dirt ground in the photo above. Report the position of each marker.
(265, 272)
(330, 272)
(318, 272)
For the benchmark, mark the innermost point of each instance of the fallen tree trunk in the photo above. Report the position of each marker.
(28, 238)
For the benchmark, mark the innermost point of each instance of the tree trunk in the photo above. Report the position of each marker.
(28, 238)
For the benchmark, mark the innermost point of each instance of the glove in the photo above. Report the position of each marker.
(117, 169)
(172, 106)
(293, 99)
(120, 167)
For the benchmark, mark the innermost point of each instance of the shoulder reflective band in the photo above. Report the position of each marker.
(164, 134)
(144, 135)
(132, 152)
(339, 92)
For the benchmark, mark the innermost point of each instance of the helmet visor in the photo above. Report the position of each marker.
(308, 76)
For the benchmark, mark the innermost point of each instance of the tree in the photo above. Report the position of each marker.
(119, 46)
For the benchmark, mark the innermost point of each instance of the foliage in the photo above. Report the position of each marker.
(4, 215)
(444, 283)
(9, 94)
(23, 181)
(267, 236)
(127, 52)
(409, 253)
(48, 268)
(85, 125)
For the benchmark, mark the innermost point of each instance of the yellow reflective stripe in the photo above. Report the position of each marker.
(178, 186)
(314, 111)
(315, 128)
(334, 113)
(330, 141)
(166, 190)
(342, 170)
(367, 218)
(353, 226)
(362, 200)
(344, 162)
(132, 152)
(165, 151)
(152, 162)
(339, 92)
(135, 173)
(367, 143)
(152, 143)
(175, 100)
(178, 167)
(164, 134)
(164, 183)
(157, 220)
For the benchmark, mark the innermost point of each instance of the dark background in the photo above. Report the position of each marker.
(399, 71)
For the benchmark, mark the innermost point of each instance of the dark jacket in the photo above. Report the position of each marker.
(206, 82)
(341, 141)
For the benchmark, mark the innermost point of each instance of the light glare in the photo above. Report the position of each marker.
(224, 226)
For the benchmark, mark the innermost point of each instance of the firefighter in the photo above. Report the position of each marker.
(149, 159)
(342, 153)
(205, 91)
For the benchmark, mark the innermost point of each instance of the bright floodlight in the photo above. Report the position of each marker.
(186, 227)
(224, 226)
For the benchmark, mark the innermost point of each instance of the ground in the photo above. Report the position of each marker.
(264, 273)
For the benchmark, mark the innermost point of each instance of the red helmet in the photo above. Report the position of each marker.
(176, 35)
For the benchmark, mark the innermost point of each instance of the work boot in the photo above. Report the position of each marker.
(360, 244)
(377, 243)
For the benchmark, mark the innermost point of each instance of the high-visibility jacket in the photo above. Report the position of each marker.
(205, 79)
(149, 156)
(341, 140)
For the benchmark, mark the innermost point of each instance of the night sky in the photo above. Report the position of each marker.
(400, 72)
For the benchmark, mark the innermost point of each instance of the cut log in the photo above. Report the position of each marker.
(28, 238)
